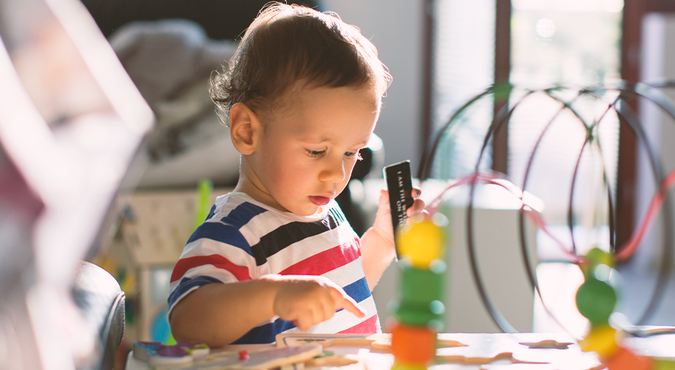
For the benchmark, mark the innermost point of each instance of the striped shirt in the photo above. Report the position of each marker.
(243, 239)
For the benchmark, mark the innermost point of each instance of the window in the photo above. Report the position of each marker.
(550, 43)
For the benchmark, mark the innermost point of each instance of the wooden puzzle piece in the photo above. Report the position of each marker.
(378, 343)
(366, 341)
(330, 359)
(547, 344)
(264, 358)
(159, 354)
(449, 343)
(466, 360)
(192, 356)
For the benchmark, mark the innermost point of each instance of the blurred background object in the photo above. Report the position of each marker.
(169, 49)
(71, 121)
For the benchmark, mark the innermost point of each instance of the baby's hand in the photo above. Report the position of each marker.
(309, 300)
(383, 224)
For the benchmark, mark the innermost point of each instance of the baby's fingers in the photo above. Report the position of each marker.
(418, 204)
(342, 300)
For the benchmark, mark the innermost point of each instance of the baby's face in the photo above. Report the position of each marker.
(307, 153)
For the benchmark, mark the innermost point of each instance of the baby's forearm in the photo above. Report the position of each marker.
(218, 314)
(377, 252)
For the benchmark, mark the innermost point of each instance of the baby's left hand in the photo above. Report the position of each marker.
(383, 224)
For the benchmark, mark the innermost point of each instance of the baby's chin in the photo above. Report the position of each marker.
(298, 210)
(310, 210)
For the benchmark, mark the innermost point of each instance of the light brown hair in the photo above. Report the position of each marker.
(286, 44)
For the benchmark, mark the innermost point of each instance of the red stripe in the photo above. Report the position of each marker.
(184, 264)
(368, 326)
(325, 261)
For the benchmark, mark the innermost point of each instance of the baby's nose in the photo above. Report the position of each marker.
(334, 171)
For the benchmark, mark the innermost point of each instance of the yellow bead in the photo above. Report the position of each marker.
(601, 340)
(421, 242)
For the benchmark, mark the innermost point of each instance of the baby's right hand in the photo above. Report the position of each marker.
(309, 300)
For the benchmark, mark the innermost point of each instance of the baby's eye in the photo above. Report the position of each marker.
(351, 154)
(316, 153)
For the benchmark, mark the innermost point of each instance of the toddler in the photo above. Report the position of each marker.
(301, 97)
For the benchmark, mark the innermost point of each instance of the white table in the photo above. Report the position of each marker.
(478, 346)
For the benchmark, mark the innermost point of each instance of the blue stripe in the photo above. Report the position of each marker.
(265, 333)
(223, 233)
(186, 284)
(242, 214)
(358, 290)
(213, 209)
(227, 232)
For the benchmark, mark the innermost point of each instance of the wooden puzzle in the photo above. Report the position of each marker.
(192, 356)
(469, 349)
(158, 354)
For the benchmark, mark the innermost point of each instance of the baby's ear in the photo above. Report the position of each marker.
(244, 128)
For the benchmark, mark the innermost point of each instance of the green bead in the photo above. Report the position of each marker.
(661, 363)
(421, 286)
(596, 301)
(418, 313)
(402, 366)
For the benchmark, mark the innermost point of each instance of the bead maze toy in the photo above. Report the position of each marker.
(420, 307)
(421, 242)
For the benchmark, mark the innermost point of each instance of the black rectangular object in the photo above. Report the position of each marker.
(399, 185)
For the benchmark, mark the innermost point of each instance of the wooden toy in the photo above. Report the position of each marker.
(664, 363)
(625, 359)
(601, 340)
(265, 358)
(404, 366)
(607, 206)
(412, 344)
(422, 285)
(192, 356)
(596, 300)
(422, 242)
(547, 344)
(367, 341)
(329, 359)
(465, 360)
(376, 343)
(419, 309)
(158, 354)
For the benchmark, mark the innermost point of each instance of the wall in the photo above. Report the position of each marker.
(395, 27)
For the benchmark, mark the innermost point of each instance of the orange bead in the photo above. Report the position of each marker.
(413, 345)
(625, 359)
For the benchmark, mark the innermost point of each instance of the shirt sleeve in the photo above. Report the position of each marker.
(215, 253)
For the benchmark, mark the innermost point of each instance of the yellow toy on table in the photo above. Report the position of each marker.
(419, 310)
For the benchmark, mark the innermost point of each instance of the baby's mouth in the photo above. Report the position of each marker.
(319, 201)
